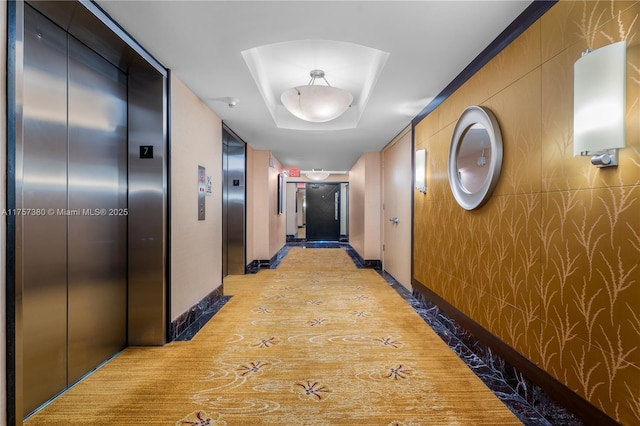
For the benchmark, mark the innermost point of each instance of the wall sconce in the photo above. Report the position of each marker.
(421, 170)
(599, 104)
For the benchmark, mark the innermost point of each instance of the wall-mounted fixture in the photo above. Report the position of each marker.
(475, 157)
(319, 174)
(599, 104)
(421, 170)
(316, 103)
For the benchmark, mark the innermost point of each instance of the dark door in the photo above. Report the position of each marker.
(323, 212)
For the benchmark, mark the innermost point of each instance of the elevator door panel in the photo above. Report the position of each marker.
(323, 212)
(75, 184)
(97, 203)
(44, 187)
(233, 236)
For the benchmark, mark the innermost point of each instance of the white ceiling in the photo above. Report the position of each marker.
(428, 44)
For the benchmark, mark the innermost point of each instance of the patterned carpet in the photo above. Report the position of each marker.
(304, 344)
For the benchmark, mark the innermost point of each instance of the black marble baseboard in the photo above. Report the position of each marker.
(190, 322)
(294, 239)
(256, 265)
(362, 263)
(272, 263)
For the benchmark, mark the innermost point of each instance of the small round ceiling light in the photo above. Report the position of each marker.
(316, 103)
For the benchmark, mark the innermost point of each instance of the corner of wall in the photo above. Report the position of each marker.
(365, 184)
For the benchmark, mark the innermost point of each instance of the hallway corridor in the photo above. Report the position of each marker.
(315, 341)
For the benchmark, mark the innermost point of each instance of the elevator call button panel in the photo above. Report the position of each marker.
(202, 180)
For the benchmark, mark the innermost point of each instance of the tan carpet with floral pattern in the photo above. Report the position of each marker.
(315, 342)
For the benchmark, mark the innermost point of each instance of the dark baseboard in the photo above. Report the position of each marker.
(193, 314)
(362, 263)
(558, 391)
(256, 265)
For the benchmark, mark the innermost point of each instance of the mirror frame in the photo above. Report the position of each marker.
(470, 116)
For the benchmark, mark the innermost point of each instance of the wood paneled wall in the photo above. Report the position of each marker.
(550, 265)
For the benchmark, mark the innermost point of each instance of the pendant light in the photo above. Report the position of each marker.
(316, 103)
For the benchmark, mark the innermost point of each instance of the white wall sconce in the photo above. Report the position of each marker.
(599, 104)
(421, 170)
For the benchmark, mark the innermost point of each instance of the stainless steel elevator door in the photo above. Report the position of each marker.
(233, 206)
(75, 184)
(44, 187)
(97, 240)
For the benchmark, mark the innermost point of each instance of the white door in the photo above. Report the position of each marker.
(396, 203)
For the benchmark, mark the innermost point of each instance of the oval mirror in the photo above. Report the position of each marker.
(475, 157)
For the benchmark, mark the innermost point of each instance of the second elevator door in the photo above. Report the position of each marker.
(233, 205)
(75, 252)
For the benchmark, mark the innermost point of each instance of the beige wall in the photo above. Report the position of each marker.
(364, 206)
(550, 263)
(3, 185)
(267, 233)
(196, 259)
(258, 204)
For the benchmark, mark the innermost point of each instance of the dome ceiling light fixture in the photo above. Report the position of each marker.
(321, 174)
(316, 103)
